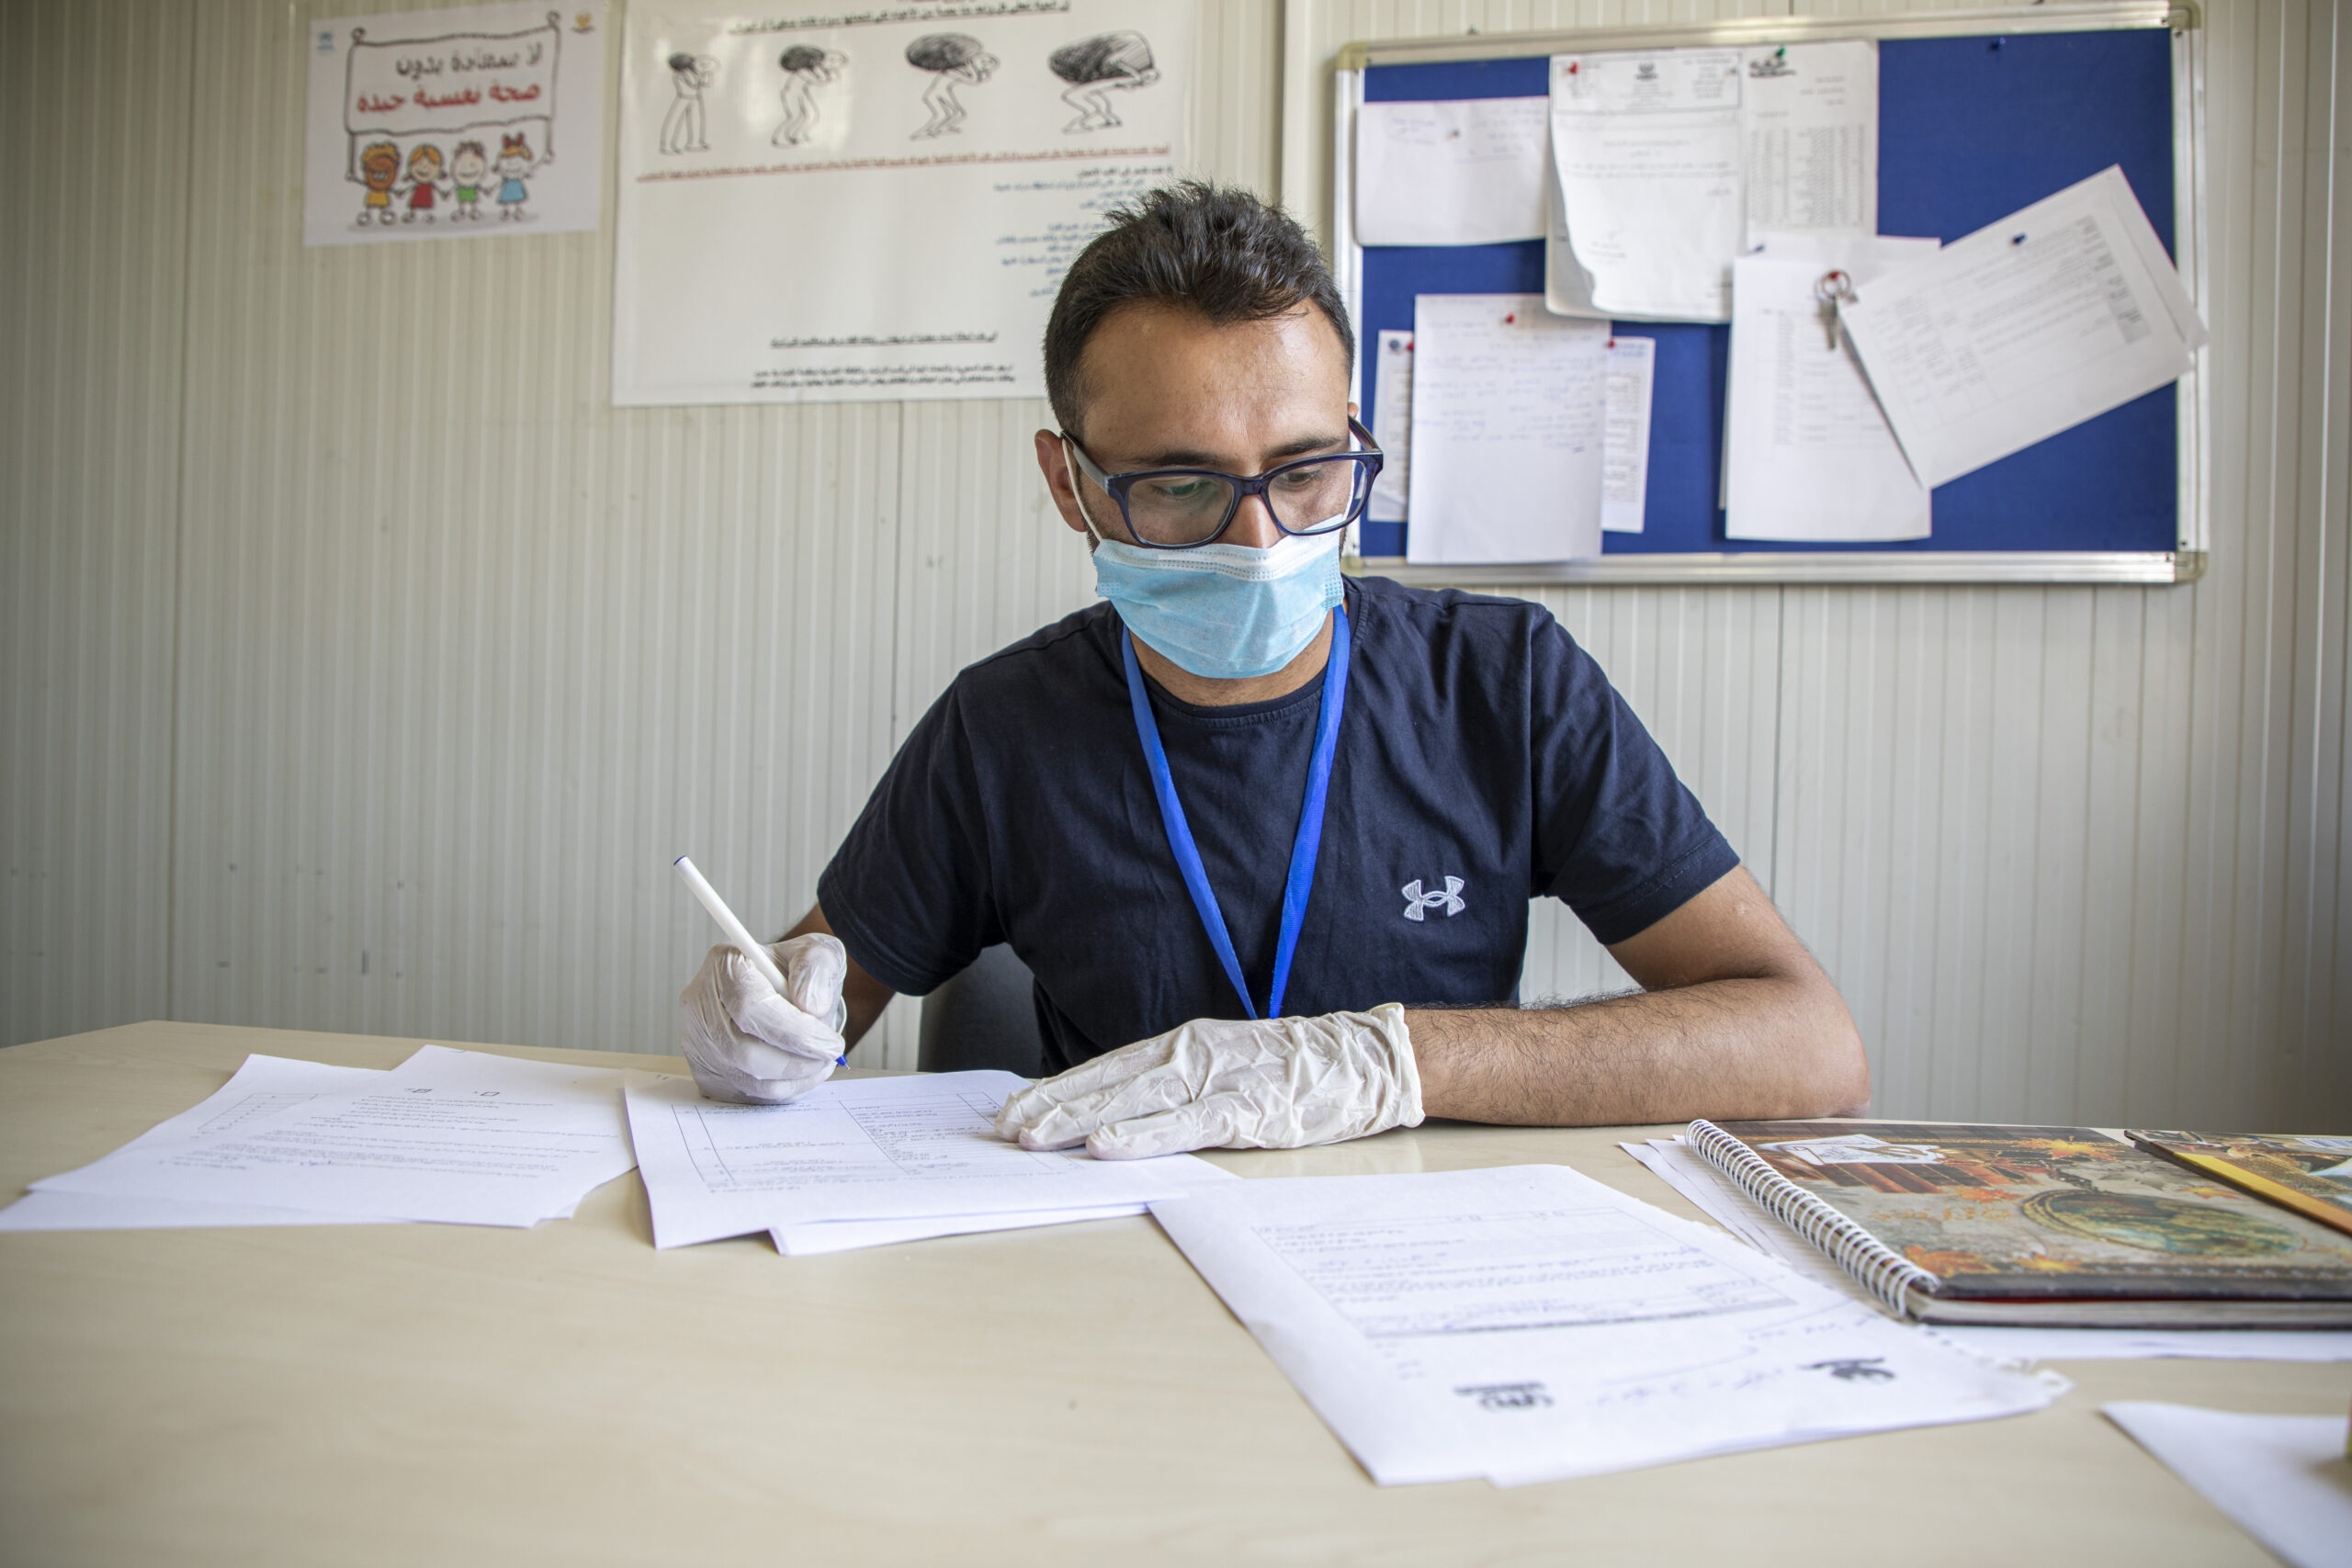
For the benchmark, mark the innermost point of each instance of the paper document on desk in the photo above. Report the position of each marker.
(262, 1085)
(1808, 454)
(1678, 1165)
(2285, 1480)
(462, 1137)
(843, 1236)
(920, 1148)
(1529, 1324)
(2028, 327)
(1509, 430)
(1467, 172)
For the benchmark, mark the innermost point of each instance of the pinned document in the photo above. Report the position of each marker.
(2030, 326)
(1528, 1324)
(1510, 416)
(1668, 161)
(1648, 151)
(1626, 449)
(1809, 131)
(1808, 452)
(1465, 173)
(1392, 427)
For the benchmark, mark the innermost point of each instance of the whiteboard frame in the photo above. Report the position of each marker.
(2185, 563)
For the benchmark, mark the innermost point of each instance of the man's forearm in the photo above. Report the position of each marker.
(1733, 1048)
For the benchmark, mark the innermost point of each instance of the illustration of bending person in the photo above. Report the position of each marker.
(681, 128)
(950, 58)
(804, 66)
(1096, 68)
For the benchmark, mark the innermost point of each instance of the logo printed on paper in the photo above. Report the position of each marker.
(1773, 64)
(1417, 904)
(1862, 1368)
(1507, 1396)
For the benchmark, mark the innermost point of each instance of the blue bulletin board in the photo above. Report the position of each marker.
(1973, 125)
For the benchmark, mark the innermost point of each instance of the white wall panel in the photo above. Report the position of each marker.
(92, 266)
(470, 655)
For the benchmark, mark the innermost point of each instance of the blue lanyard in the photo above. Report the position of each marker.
(1301, 881)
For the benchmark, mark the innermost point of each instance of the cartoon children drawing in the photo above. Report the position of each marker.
(514, 166)
(804, 66)
(469, 167)
(380, 171)
(1096, 68)
(425, 181)
(950, 58)
(681, 128)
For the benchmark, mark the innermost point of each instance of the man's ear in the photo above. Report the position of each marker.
(1054, 465)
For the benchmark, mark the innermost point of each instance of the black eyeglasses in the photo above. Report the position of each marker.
(1177, 509)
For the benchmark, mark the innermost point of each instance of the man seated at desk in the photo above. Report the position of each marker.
(1267, 839)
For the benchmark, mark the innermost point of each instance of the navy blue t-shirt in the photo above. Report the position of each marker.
(1483, 759)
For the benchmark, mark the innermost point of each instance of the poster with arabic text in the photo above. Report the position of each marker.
(467, 123)
(821, 203)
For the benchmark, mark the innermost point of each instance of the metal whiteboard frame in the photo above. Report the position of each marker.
(2185, 563)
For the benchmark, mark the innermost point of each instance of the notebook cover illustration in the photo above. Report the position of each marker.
(2304, 1171)
(2052, 1213)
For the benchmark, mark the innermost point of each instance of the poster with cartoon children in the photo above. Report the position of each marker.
(478, 121)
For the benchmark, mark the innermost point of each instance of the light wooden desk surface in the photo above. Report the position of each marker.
(448, 1394)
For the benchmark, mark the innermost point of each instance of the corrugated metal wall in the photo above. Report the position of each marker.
(363, 661)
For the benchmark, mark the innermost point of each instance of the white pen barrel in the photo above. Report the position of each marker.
(754, 950)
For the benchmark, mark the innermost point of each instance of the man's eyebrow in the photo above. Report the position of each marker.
(1185, 458)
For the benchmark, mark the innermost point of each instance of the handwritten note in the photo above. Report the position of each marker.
(1509, 424)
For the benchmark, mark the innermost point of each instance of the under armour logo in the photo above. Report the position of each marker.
(1418, 902)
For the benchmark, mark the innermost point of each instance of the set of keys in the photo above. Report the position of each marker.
(1834, 288)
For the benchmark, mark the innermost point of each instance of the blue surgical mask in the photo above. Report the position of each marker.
(1224, 612)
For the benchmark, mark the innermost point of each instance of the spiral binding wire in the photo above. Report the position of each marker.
(1885, 1273)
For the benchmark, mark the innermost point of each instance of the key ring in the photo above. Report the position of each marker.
(1834, 288)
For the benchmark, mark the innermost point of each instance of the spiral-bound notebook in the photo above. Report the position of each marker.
(2034, 1225)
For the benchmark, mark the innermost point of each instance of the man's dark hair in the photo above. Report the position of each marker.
(1215, 249)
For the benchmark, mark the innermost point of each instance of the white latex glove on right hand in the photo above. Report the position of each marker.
(750, 1045)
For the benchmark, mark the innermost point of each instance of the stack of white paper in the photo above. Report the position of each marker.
(2028, 327)
(459, 1136)
(1679, 1165)
(869, 1161)
(1528, 1324)
(263, 1085)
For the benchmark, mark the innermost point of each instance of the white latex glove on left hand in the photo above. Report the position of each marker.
(752, 1045)
(1281, 1083)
